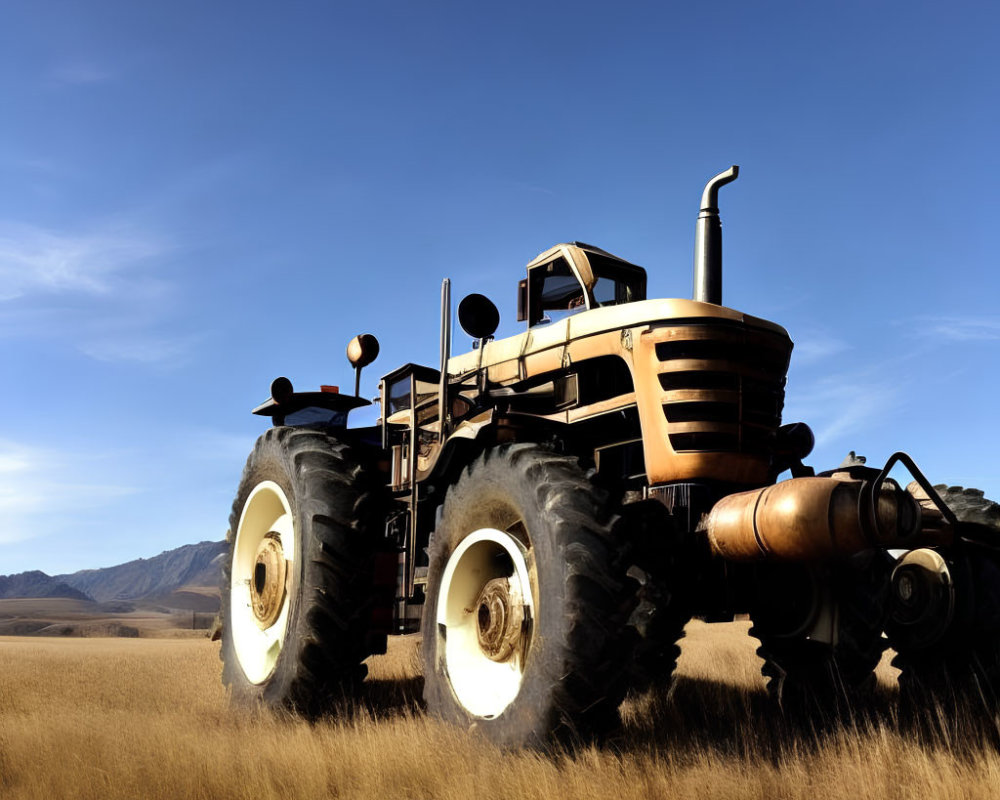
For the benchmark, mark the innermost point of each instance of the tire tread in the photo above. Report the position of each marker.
(336, 502)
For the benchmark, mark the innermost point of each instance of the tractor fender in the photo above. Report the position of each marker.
(486, 429)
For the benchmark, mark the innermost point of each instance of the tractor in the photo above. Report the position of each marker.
(550, 509)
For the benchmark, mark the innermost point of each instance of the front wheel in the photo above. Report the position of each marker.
(524, 628)
(297, 583)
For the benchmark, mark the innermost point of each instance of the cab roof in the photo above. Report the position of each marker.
(541, 258)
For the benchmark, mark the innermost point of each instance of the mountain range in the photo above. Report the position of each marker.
(37, 584)
(184, 578)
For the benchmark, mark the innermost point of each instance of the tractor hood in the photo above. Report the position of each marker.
(598, 321)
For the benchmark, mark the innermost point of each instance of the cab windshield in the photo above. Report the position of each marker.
(555, 292)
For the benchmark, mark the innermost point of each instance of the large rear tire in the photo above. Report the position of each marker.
(297, 582)
(524, 624)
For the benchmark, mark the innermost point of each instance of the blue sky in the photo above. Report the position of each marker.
(198, 197)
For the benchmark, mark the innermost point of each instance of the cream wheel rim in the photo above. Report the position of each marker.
(261, 587)
(485, 615)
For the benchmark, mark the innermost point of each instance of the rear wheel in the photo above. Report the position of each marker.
(945, 625)
(963, 662)
(524, 622)
(296, 590)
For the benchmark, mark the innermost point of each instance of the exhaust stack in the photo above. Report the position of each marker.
(445, 355)
(708, 241)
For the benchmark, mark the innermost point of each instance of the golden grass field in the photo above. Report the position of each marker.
(148, 718)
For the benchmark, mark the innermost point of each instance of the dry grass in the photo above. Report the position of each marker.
(92, 718)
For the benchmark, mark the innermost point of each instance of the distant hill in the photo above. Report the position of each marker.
(185, 578)
(37, 584)
(157, 578)
(173, 594)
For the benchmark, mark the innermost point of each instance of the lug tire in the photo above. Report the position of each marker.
(661, 562)
(659, 625)
(315, 493)
(971, 505)
(536, 517)
(815, 679)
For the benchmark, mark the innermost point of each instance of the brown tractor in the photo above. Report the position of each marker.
(550, 509)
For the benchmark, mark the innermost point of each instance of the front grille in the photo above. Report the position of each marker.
(723, 385)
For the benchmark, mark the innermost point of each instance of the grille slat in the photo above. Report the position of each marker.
(719, 381)
(729, 367)
(724, 386)
(686, 395)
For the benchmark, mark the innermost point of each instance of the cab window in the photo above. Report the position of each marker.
(616, 283)
(554, 293)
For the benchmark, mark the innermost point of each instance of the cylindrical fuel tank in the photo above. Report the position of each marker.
(808, 519)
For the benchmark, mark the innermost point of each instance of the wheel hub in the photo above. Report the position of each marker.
(485, 614)
(499, 619)
(923, 599)
(267, 582)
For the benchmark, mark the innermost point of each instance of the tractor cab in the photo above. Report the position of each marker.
(576, 277)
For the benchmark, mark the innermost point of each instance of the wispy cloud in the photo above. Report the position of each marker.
(961, 329)
(816, 346)
(79, 73)
(145, 349)
(36, 260)
(204, 444)
(39, 485)
(28, 164)
(844, 403)
(99, 291)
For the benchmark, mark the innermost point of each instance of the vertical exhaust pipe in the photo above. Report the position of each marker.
(708, 241)
(445, 355)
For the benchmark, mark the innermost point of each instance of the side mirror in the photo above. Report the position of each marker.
(478, 316)
(362, 350)
(281, 390)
